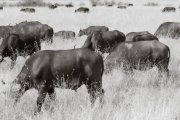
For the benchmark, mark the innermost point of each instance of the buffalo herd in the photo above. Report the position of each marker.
(31, 10)
(47, 69)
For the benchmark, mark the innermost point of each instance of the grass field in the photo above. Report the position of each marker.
(141, 96)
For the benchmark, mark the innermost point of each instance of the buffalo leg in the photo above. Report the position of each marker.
(14, 57)
(96, 91)
(163, 70)
(52, 94)
(21, 91)
(127, 69)
(40, 99)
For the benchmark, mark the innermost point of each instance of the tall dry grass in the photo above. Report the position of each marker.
(140, 96)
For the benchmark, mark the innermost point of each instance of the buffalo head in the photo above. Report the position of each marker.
(81, 33)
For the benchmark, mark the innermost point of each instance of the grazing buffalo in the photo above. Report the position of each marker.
(5, 30)
(1, 8)
(169, 9)
(52, 6)
(19, 45)
(92, 29)
(82, 9)
(140, 36)
(110, 5)
(65, 34)
(130, 4)
(168, 29)
(122, 7)
(139, 55)
(43, 31)
(93, 5)
(31, 10)
(69, 5)
(104, 41)
(68, 69)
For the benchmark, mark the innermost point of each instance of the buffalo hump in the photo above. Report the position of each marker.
(42, 31)
(104, 41)
(168, 29)
(140, 36)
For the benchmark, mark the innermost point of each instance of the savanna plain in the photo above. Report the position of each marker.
(139, 96)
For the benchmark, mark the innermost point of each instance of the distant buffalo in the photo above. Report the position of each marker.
(93, 5)
(169, 9)
(110, 5)
(104, 41)
(5, 30)
(15, 45)
(169, 29)
(92, 29)
(65, 34)
(52, 6)
(139, 55)
(140, 36)
(122, 7)
(1, 8)
(69, 5)
(68, 69)
(82, 9)
(130, 4)
(31, 10)
(43, 31)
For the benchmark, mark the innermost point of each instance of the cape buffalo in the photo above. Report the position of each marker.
(69, 5)
(169, 9)
(140, 36)
(139, 55)
(5, 30)
(65, 34)
(52, 6)
(130, 4)
(168, 29)
(69, 69)
(104, 41)
(92, 29)
(43, 31)
(82, 9)
(122, 7)
(28, 10)
(110, 5)
(19, 45)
